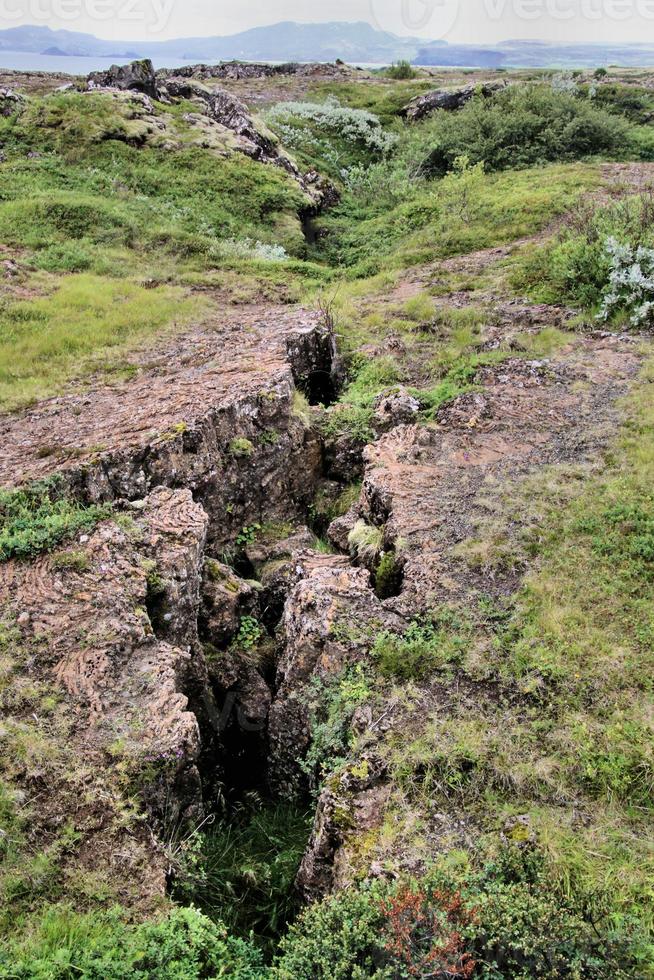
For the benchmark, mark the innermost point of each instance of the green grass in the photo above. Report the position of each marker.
(537, 707)
(508, 206)
(243, 869)
(74, 329)
(385, 98)
(567, 735)
(426, 647)
(40, 516)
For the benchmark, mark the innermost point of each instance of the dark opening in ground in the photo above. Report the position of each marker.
(244, 868)
(389, 575)
(320, 388)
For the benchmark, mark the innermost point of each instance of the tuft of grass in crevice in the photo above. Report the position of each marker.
(242, 870)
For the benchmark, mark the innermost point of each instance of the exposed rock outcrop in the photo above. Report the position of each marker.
(177, 423)
(447, 99)
(229, 112)
(252, 137)
(137, 76)
(326, 625)
(128, 674)
(11, 102)
(427, 487)
(237, 70)
(397, 406)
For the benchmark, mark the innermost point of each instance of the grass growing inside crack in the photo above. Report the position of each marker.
(243, 868)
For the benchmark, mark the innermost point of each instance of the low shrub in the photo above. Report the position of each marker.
(631, 282)
(334, 136)
(332, 706)
(602, 261)
(520, 127)
(425, 648)
(186, 945)
(38, 517)
(501, 922)
(401, 71)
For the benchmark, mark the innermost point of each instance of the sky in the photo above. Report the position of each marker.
(456, 21)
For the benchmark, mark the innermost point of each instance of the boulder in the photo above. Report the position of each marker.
(10, 102)
(225, 599)
(448, 99)
(138, 76)
(325, 628)
(397, 406)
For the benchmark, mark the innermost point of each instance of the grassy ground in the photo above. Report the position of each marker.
(567, 736)
(109, 233)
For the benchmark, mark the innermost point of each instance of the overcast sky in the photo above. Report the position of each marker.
(468, 21)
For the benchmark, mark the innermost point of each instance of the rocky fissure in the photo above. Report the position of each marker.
(197, 625)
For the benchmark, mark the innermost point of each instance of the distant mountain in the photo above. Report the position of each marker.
(536, 54)
(358, 42)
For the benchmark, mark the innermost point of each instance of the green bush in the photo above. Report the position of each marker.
(502, 922)
(184, 946)
(329, 135)
(425, 648)
(401, 71)
(40, 516)
(65, 257)
(576, 267)
(521, 127)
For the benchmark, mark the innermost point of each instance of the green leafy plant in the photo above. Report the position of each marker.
(332, 707)
(185, 944)
(400, 71)
(241, 448)
(426, 647)
(38, 517)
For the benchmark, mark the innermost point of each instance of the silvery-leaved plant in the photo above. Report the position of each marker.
(245, 248)
(564, 84)
(631, 282)
(351, 125)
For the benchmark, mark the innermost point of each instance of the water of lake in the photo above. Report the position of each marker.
(65, 65)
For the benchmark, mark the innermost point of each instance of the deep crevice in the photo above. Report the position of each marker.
(389, 575)
(320, 388)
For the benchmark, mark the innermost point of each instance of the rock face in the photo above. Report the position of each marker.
(10, 102)
(237, 70)
(138, 76)
(178, 423)
(395, 407)
(325, 625)
(87, 613)
(350, 800)
(448, 99)
(229, 112)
